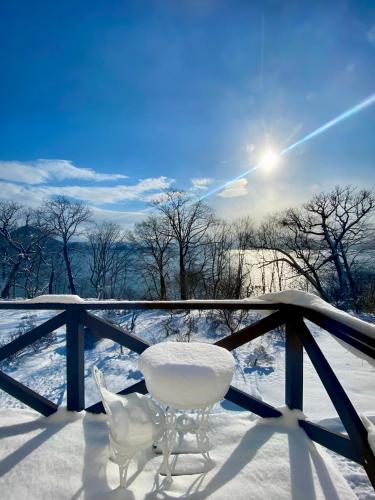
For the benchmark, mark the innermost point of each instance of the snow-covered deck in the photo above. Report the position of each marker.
(65, 456)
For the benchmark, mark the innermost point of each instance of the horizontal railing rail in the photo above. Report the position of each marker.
(298, 340)
(87, 305)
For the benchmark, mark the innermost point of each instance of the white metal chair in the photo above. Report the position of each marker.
(135, 423)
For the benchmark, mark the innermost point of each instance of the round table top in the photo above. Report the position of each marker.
(187, 374)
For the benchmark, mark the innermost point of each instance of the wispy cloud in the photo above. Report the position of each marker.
(96, 195)
(237, 188)
(44, 171)
(125, 219)
(371, 35)
(201, 183)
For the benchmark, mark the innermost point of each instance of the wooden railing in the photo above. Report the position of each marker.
(76, 316)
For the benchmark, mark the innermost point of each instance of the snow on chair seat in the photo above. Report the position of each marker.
(135, 423)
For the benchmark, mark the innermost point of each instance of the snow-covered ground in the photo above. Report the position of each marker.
(44, 370)
(65, 457)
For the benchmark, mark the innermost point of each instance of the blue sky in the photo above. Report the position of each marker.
(112, 102)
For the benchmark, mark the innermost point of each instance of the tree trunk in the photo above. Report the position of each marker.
(341, 277)
(183, 277)
(5, 292)
(50, 282)
(69, 269)
(337, 263)
(163, 288)
(349, 275)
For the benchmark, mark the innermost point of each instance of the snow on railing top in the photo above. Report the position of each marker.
(310, 301)
(63, 299)
(314, 303)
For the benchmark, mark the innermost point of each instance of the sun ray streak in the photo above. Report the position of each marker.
(347, 114)
(228, 183)
(369, 101)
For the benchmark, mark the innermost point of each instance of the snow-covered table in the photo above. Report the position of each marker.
(186, 376)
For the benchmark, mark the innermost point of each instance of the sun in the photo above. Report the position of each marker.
(269, 160)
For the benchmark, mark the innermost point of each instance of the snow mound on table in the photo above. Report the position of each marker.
(187, 375)
(64, 299)
(310, 301)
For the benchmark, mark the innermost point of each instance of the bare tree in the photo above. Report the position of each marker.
(56, 268)
(129, 325)
(228, 264)
(108, 255)
(155, 246)
(64, 218)
(22, 236)
(229, 267)
(243, 236)
(286, 244)
(186, 222)
(217, 248)
(272, 274)
(324, 238)
(342, 219)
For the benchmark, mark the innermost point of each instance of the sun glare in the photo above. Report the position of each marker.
(269, 160)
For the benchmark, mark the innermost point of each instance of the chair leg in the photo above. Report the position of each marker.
(169, 440)
(123, 470)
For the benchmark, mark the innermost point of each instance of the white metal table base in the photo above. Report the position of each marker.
(184, 424)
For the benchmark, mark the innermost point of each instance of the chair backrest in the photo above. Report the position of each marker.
(134, 420)
(101, 384)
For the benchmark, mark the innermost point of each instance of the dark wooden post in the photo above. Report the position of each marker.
(293, 365)
(349, 417)
(75, 383)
